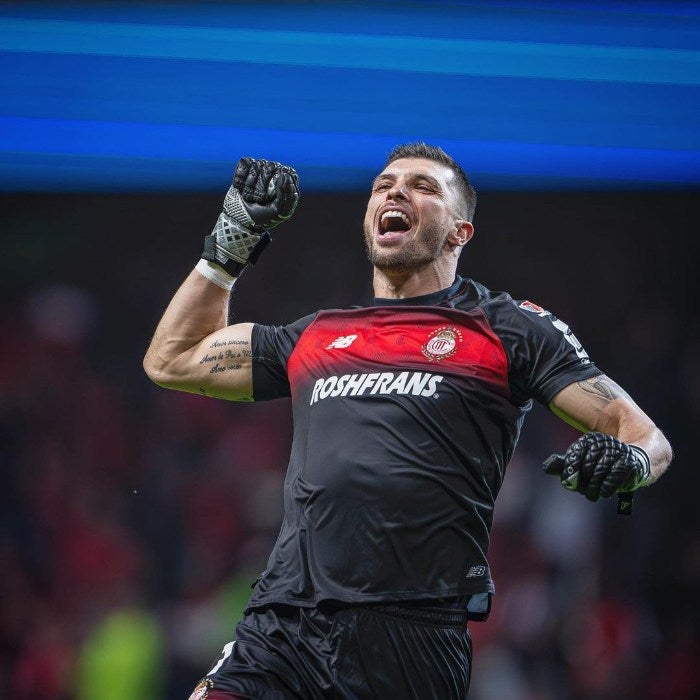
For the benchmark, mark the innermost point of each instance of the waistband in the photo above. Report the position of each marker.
(439, 611)
(444, 617)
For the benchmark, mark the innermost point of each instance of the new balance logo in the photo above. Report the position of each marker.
(343, 341)
(414, 383)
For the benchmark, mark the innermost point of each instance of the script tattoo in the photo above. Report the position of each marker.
(224, 343)
(225, 358)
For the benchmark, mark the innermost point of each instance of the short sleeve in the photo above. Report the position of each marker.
(544, 354)
(272, 346)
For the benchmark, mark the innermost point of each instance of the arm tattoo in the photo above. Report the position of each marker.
(602, 387)
(230, 360)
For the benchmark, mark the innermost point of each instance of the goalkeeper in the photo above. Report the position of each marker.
(406, 414)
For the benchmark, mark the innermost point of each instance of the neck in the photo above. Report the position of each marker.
(400, 284)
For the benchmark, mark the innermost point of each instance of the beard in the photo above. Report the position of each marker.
(421, 250)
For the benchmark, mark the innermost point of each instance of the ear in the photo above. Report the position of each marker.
(461, 234)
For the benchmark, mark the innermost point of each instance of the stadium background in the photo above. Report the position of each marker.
(133, 519)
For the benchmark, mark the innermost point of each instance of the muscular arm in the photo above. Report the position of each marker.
(193, 350)
(602, 405)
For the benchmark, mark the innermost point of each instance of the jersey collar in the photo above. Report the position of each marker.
(432, 299)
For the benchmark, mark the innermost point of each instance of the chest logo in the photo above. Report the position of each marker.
(442, 343)
(343, 341)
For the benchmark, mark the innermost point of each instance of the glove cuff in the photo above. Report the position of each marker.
(214, 253)
(641, 476)
(217, 255)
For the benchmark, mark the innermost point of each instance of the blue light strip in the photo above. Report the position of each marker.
(406, 53)
(525, 94)
(199, 148)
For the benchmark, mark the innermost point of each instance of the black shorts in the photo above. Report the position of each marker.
(395, 652)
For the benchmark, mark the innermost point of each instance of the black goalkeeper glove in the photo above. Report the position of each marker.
(263, 194)
(598, 465)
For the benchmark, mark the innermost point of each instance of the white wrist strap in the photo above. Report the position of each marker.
(215, 274)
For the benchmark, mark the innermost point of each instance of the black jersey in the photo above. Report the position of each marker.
(406, 414)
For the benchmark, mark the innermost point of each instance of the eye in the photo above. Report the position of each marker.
(381, 187)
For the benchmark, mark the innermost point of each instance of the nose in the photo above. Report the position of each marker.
(397, 191)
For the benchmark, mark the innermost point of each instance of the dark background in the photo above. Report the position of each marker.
(134, 518)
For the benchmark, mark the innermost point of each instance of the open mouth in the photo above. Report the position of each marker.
(393, 223)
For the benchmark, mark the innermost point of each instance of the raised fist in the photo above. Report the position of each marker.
(263, 194)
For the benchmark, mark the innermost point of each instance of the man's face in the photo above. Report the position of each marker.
(412, 208)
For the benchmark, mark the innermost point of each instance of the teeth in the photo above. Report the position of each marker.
(393, 214)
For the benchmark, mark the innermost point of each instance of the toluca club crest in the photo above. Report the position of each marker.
(442, 343)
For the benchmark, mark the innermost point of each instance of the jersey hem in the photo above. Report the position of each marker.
(387, 598)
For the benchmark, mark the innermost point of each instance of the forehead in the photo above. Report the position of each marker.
(407, 167)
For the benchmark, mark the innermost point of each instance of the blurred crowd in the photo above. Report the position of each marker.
(134, 520)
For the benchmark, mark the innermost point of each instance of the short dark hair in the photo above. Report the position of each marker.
(419, 149)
